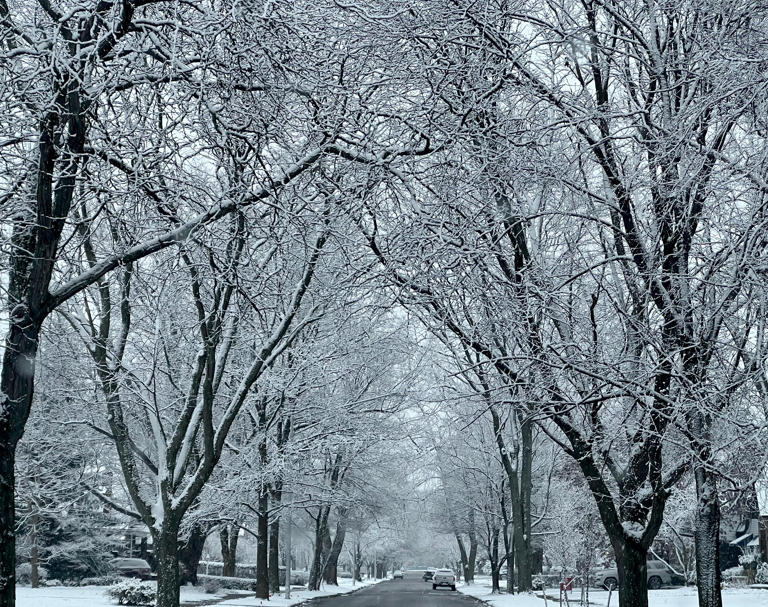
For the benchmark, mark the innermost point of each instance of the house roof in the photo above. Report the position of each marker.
(739, 540)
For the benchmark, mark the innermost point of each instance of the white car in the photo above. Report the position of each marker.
(658, 574)
(444, 577)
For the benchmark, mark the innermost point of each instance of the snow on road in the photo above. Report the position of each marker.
(667, 597)
(94, 596)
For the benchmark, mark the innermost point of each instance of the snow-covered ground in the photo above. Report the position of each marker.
(299, 596)
(94, 596)
(668, 597)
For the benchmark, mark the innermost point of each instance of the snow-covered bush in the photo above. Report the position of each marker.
(749, 562)
(234, 583)
(538, 582)
(24, 573)
(750, 559)
(133, 592)
(732, 574)
(761, 576)
(211, 585)
(102, 580)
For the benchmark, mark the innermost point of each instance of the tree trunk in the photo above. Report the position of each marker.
(358, 562)
(16, 391)
(166, 544)
(473, 544)
(493, 556)
(274, 555)
(262, 547)
(463, 556)
(707, 536)
(321, 530)
(510, 554)
(7, 522)
(228, 536)
(332, 563)
(633, 576)
(522, 547)
(190, 553)
(519, 479)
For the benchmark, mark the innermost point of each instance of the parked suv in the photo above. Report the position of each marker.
(444, 577)
(658, 574)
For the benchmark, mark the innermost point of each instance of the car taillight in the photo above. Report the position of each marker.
(454, 578)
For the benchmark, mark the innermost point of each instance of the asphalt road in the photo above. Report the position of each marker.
(398, 593)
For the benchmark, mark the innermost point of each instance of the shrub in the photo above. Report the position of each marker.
(132, 592)
(761, 577)
(24, 573)
(102, 580)
(234, 583)
(211, 585)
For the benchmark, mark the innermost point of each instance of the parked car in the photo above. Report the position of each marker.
(428, 575)
(397, 575)
(658, 575)
(444, 577)
(130, 567)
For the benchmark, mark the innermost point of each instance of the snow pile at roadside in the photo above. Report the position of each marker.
(299, 596)
(94, 596)
(666, 597)
(482, 591)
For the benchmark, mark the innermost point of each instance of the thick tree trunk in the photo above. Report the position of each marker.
(321, 530)
(190, 553)
(332, 562)
(166, 544)
(633, 577)
(493, 556)
(518, 470)
(262, 548)
(473, 544)
(7, 526)
(522, 532)
(463, 556)
(16, 390)
(707, 536)
(228, 536)
(358, 562)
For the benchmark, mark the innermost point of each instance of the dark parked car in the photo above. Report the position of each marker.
(428, 575)
(130, 567)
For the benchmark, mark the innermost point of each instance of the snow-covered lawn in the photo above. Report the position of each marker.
(94, 596)
(671, 597)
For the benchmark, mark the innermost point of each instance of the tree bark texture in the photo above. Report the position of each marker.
(330, 575)
(262, 547)
(166, 544)
(707, 538)
(228, 536)
(274, 555)
(190, 553)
